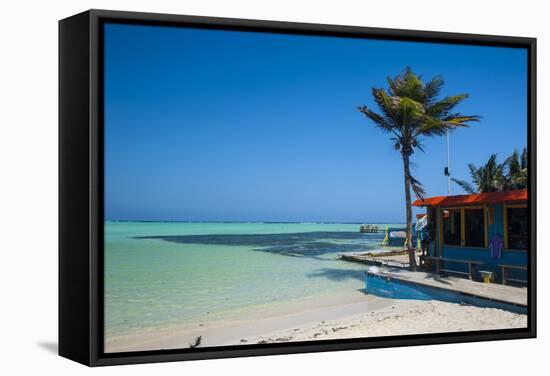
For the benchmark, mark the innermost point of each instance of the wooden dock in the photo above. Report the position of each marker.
(388, 259)
(491, 291)
(396, 266)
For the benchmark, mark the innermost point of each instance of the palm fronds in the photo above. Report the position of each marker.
(468, 188)
(411, 110)
(417, 188)
(517, 176)
(494, 176)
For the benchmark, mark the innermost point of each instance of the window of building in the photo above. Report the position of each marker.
(474, 228)
(451, 226)
(517, 227)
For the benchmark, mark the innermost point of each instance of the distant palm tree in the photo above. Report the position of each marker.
(410, 111)
(517, 177)
(487, 178)
(494, 176)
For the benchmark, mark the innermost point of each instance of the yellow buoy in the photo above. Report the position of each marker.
(386, 240)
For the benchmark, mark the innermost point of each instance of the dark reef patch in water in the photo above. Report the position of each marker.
(310, 244)
(338, 274)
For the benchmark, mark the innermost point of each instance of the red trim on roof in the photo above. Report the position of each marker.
(519, 195)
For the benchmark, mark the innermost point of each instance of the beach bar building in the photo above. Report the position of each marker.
(478, 236)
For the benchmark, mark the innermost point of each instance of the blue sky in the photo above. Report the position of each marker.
(241, 126)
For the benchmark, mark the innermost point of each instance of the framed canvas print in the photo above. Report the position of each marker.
(239, 187)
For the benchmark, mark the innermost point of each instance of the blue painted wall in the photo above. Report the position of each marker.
(497, 228)
(484, 255)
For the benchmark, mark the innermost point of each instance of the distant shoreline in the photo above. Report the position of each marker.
(251, 222)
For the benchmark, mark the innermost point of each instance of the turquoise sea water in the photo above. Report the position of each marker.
(159, 274)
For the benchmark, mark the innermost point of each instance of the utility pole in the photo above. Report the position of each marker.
(448, 168)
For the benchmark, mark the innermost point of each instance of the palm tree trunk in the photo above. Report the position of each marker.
(410, 248)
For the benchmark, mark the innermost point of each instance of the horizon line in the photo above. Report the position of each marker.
(265, 222)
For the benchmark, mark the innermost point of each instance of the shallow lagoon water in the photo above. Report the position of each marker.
(160, 274)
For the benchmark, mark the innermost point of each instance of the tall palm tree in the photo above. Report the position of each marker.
(411, 111)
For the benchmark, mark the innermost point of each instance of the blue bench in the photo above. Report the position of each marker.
(505, 278)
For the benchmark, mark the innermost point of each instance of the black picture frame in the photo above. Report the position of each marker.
(81, 187)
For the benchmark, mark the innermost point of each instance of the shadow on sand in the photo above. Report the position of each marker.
(439, 279)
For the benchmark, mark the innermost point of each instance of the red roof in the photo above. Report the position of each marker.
(519, 195)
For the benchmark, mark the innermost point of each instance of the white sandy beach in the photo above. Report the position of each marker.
(352, 316)
(402, 318)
